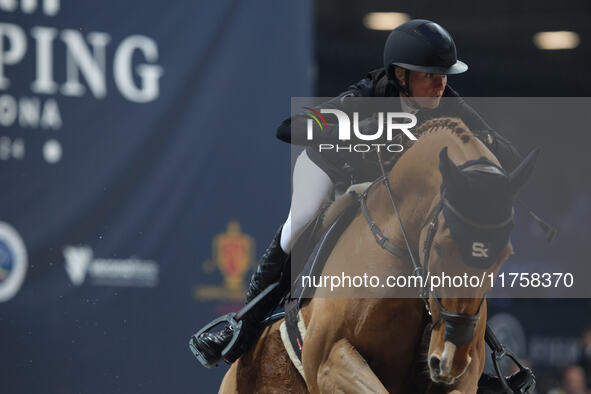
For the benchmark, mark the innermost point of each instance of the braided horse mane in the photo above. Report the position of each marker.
(457, 127)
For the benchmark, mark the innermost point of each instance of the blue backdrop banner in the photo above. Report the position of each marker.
(138, 170)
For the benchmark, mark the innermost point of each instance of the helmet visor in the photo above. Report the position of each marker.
(457, 68)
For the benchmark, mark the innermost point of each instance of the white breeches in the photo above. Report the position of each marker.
(311, 188)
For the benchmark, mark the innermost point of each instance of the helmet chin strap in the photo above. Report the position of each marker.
(407, 82)
(404, 90)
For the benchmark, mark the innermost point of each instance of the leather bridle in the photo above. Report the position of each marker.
(459, 327)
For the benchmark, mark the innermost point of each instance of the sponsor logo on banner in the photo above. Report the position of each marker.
(58, 62)
(555, 351)
(232, 253)
(13, 262)
(81, 265)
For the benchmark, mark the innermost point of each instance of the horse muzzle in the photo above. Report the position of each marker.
(442, 368)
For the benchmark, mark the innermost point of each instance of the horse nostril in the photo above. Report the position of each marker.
(434, 364)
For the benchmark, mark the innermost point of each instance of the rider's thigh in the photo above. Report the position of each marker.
(312, 188)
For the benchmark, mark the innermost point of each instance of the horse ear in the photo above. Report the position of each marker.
(451, 174)
(521, 174)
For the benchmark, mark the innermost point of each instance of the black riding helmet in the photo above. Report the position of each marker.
(420, 45)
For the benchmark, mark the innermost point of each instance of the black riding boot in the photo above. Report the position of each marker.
(268, 271)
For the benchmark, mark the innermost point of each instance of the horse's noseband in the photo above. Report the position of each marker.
(459, 327)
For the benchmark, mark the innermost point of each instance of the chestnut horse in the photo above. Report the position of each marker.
(361, 345)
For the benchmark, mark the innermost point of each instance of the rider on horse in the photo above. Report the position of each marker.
(418, 56)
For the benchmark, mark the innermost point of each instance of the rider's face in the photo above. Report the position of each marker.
(427, 88)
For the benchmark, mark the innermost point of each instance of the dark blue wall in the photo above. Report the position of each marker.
(117, 205)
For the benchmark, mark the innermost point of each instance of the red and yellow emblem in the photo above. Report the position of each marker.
(232, 253)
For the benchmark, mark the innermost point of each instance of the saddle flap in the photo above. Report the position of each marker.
(322, 249)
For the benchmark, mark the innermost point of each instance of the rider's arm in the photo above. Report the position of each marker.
(501, 147)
